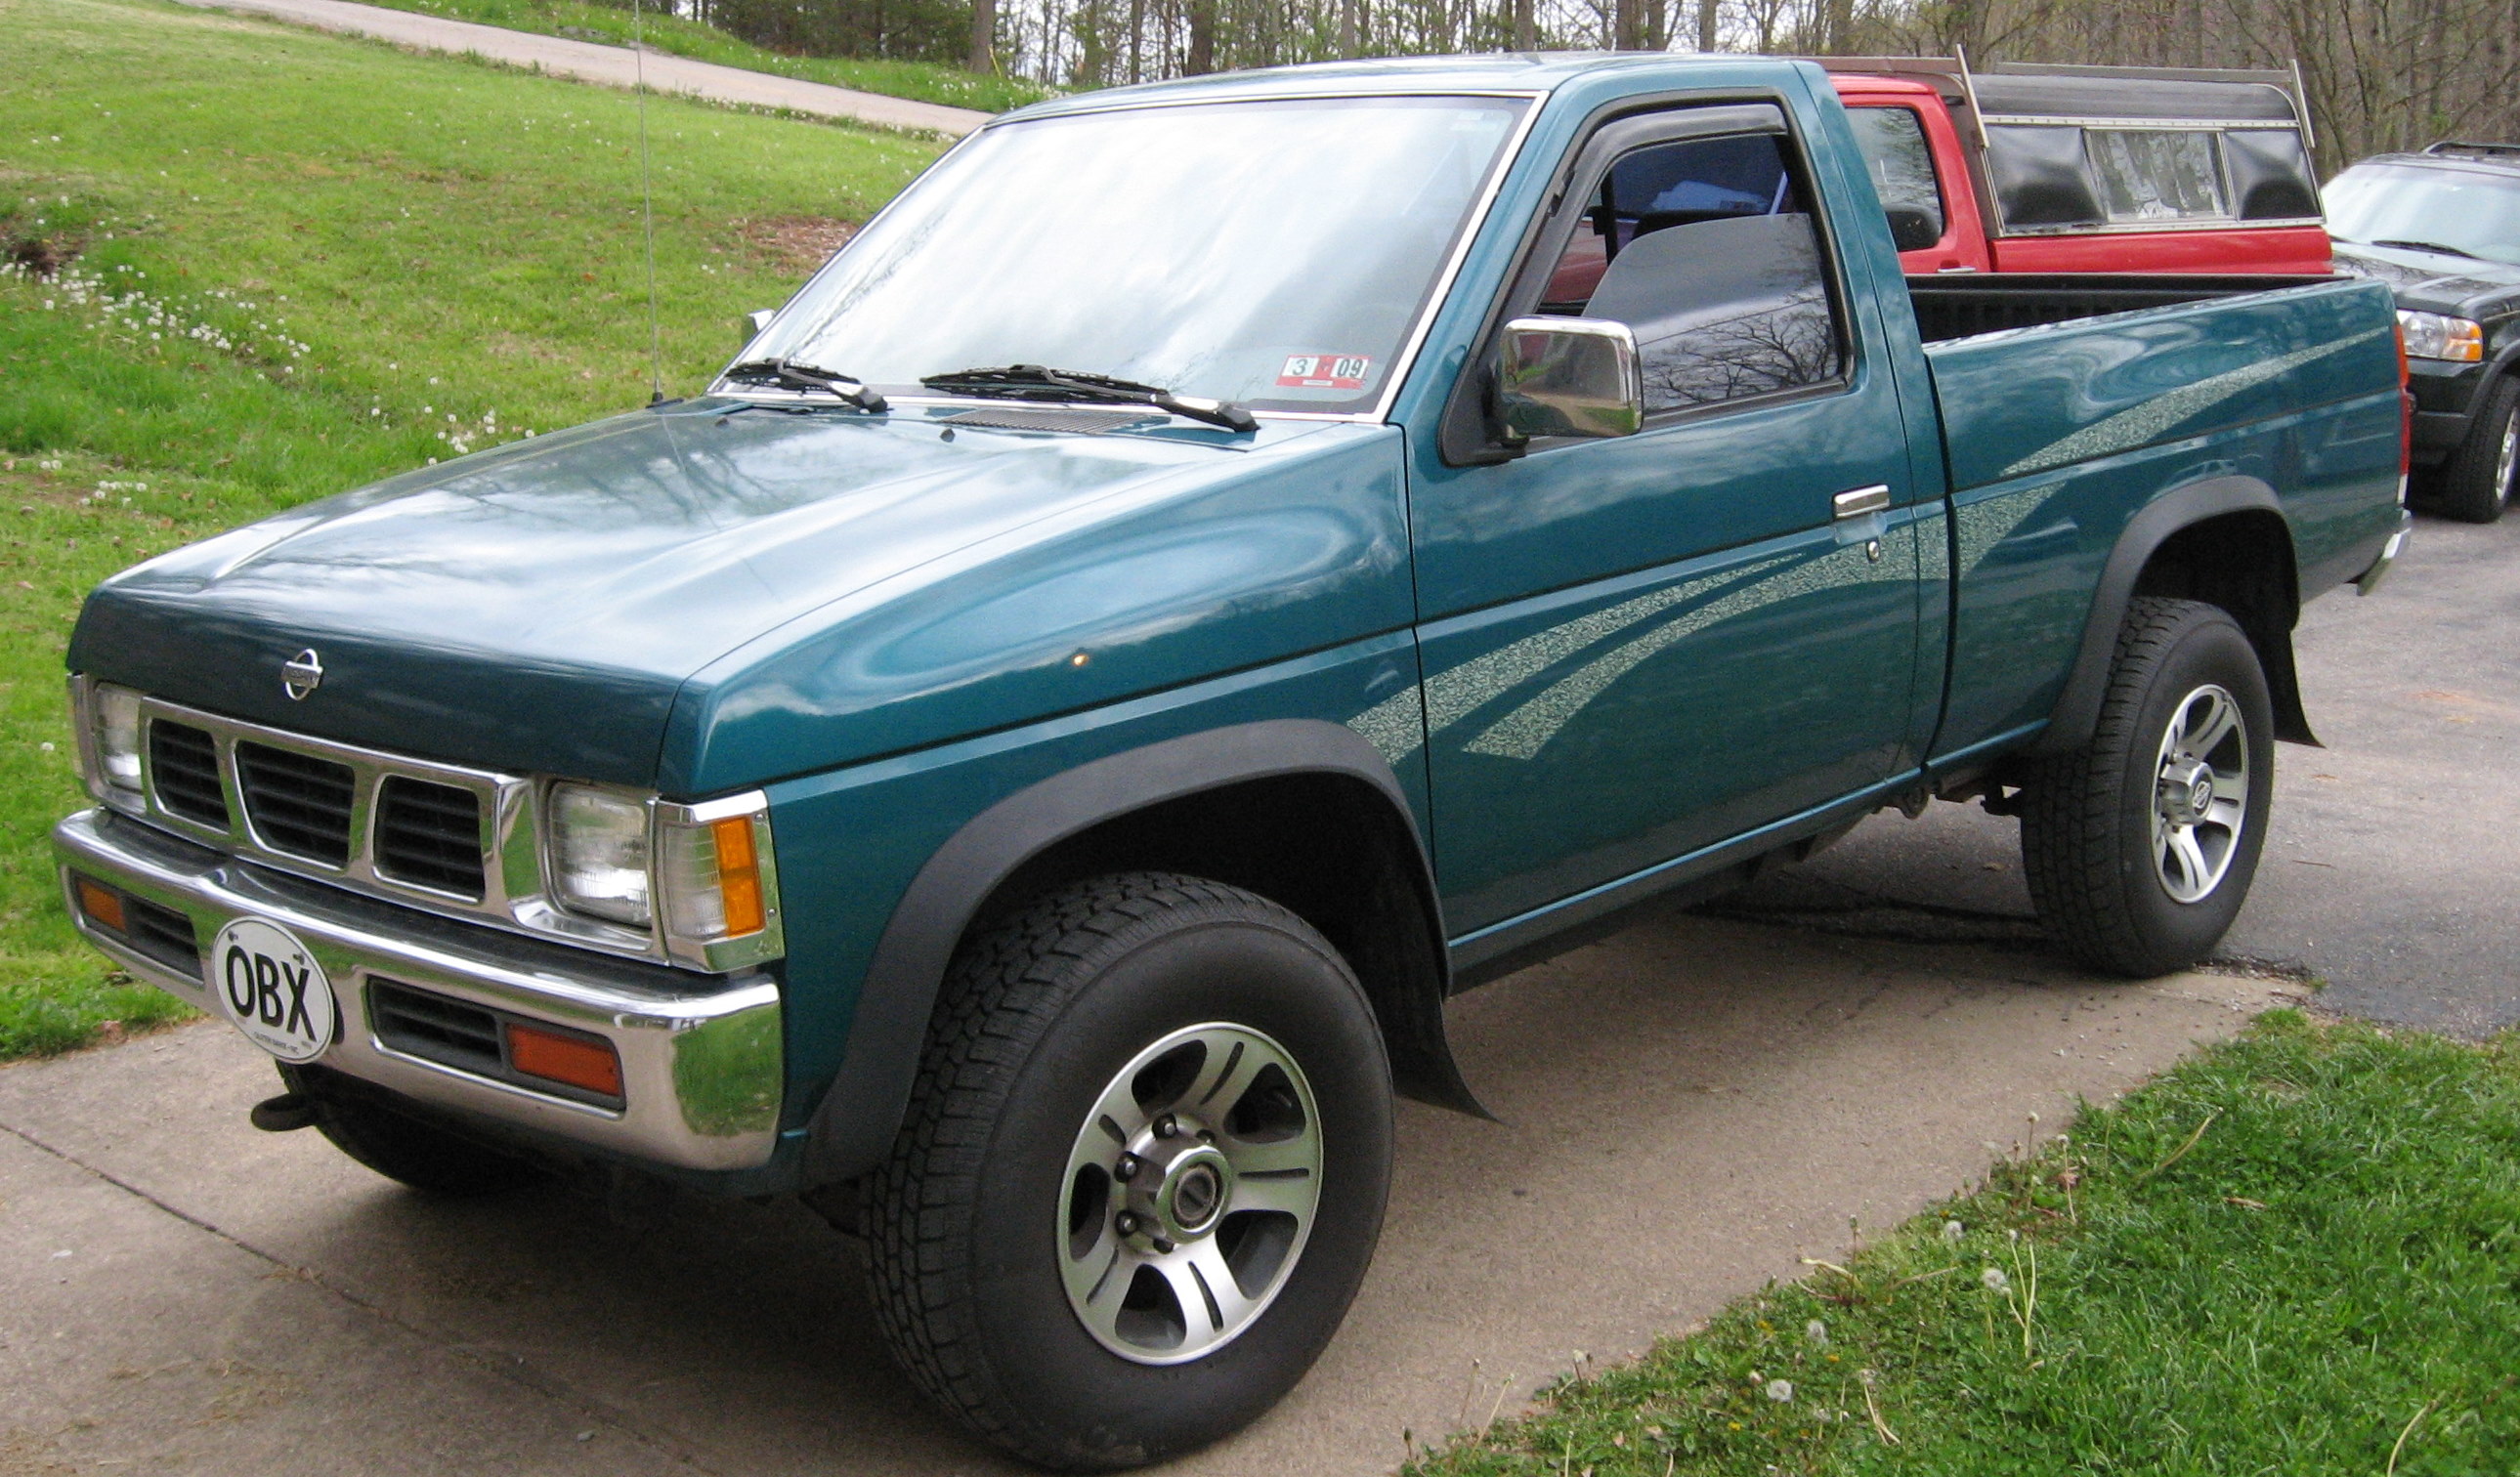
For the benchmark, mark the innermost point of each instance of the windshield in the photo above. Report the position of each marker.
(2467, 211)
(1275, 253)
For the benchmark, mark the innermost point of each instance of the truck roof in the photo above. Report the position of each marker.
(1504, 72)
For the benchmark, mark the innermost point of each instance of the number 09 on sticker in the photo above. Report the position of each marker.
(1324, 372)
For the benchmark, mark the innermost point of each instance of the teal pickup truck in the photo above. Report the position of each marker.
(1023, 761)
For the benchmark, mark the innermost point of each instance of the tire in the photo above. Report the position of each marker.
(428, 1158)
(2102, 827)
(1063, 1308)
(2476, 482)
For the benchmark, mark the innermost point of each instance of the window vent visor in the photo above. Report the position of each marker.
(430, 836)
(184, 771)
(298, 803)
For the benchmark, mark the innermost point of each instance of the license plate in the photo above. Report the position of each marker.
(269, 984)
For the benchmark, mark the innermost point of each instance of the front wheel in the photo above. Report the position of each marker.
(1142, 1173)
(2139, 848)
(2476, 485)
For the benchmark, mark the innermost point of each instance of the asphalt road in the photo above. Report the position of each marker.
(2390, 863)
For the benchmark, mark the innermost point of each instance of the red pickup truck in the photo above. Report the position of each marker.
(2025, 169)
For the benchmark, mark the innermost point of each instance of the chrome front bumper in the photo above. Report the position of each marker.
(703, 1060)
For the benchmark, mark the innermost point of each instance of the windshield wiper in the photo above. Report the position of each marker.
(786, 374)
(2425, 245)
(1032, 381)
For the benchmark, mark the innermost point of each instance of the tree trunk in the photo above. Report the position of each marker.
(1200, 57)
(1708, 13)
(1526, 35)
(985, 35)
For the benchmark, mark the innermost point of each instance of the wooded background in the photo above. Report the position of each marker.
(2381, 73)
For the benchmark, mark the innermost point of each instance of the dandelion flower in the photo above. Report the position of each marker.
(1780, 1390)
(1817, 1332)
(1952, 1231)
(1994, 1280)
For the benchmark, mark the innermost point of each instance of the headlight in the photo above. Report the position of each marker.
(598, 853)
(2438, 335)
(113, 738)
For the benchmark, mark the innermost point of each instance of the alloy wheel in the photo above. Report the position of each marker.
(2200, 794)
(1189, 1194)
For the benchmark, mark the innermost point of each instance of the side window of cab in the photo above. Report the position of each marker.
(1892, 139)
(1706, 248)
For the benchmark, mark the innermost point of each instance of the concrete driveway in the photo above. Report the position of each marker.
(612, 65)
(1690, 1107)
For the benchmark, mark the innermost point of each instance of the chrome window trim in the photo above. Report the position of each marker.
(2142, 126)
(2224, 223)
(516, 888)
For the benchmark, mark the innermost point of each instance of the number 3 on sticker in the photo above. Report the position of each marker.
(1325, 372)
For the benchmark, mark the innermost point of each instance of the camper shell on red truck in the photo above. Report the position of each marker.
(2034, 168)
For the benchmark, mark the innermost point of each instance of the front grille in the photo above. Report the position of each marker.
(430, 836)
(162, 933)
(184, 766)
(296, 802)
(434, 1028)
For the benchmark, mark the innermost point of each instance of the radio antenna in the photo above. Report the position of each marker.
(647, 202)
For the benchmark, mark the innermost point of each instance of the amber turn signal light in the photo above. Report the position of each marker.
(102, 904)
(573, 1059)
(739, 875)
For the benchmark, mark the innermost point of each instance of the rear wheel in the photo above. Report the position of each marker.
(420, 1154)
(1142, 1173)
(2139, 848)
(2476, 484)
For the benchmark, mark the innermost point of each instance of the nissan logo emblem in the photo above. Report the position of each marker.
(304, 674)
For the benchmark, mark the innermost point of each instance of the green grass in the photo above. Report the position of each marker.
(922, 80)
(352, 260)
(2273, 1260)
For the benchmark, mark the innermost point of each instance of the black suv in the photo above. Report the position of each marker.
(2442, 228)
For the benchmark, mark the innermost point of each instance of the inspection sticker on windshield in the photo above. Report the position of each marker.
(1324, 372)
(269, 984)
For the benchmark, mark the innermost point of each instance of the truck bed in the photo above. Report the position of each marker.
(1965, 304)
(2110, 391)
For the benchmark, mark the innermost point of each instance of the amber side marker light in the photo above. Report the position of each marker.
(102, 904)
(739, 875)
(571, 1059)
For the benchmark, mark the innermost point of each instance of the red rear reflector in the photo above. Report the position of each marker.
(573, 1059)
(102, 905)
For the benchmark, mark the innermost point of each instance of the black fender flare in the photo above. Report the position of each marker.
(854, 1126)
(2077, 713)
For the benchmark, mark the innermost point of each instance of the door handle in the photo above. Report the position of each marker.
(1860, 501)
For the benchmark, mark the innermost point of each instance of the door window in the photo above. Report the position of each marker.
(1706, 248)
(1892, 141)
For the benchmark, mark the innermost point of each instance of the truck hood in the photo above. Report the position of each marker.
(2432, 282)
(538, 608)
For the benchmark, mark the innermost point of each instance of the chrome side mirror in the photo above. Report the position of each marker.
(1569, 376)
(755, 321)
